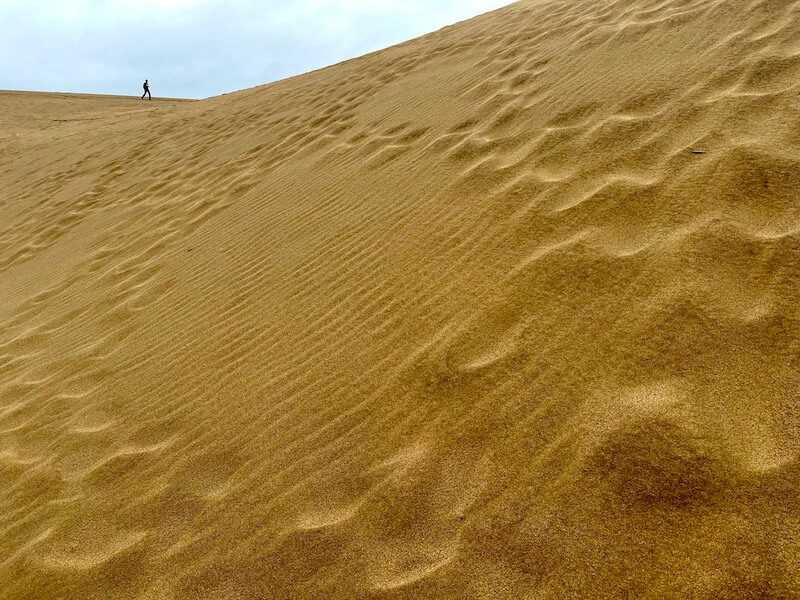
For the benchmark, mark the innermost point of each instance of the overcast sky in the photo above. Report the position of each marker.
(200, 48)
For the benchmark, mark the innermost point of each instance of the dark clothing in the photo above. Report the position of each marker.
(146, 91)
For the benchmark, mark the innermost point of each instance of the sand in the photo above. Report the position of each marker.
(507, 311)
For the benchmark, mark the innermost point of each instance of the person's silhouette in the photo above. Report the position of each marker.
(146, 87)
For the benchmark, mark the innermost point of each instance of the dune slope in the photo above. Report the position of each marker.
(507, 311)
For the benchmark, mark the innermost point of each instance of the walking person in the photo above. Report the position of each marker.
(146, 87)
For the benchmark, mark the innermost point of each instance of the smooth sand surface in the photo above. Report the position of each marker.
(508, 311)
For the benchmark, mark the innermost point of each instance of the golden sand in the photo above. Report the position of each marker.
(507, 311)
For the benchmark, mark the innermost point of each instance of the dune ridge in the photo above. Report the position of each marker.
(506, 311)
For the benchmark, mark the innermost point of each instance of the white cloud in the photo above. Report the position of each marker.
(152, 8)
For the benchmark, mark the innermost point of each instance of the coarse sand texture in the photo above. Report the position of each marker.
(507, 311)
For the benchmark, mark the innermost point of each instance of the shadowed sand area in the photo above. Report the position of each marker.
(507, 311)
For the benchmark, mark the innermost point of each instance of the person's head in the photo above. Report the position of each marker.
(145, 80)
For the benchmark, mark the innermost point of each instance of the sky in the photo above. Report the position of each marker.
(200, 48)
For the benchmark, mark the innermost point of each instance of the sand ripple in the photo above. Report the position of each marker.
(507, 311)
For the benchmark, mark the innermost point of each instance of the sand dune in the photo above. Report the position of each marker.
(507, 311)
